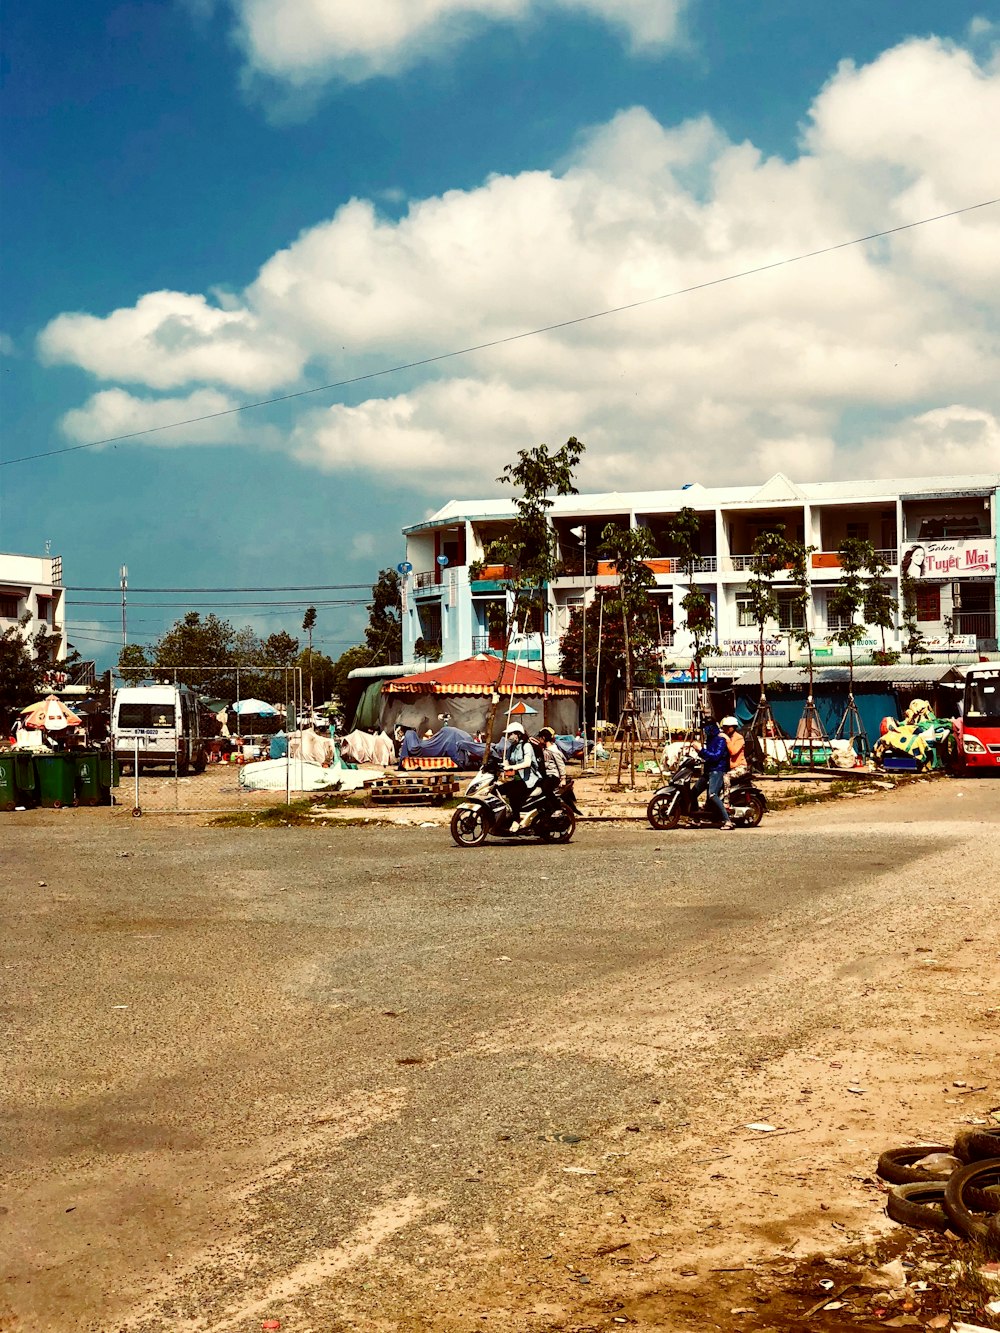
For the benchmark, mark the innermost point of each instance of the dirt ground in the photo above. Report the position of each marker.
(356, 1078)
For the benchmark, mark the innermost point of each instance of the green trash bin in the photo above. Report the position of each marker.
(17, 780)
(108, 774)
(86, 773)
(56, 779)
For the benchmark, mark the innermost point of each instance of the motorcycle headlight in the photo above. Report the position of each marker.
(972, 746)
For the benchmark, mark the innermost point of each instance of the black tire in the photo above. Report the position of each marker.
(561, 831)
(755, 807)
(896, 1165)
(968, 1207)
(975, 1145)
(470, 828)
(664, 809)
(919, 1204)
(201, 761)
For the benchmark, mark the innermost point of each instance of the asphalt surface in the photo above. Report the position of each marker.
(334, 1070)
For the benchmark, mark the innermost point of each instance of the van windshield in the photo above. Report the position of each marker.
(146, 715)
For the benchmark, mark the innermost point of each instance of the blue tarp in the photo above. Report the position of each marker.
(830, 704)
(449, 742)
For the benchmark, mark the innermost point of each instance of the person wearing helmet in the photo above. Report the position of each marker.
(715, 755)
(520, 772)
(553, 763)
(737, 747)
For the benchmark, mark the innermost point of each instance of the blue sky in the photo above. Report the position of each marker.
(179, 237)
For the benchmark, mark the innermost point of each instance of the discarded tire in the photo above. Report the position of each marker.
(918, 1204)
(975, 1145)
(970, 1209)
(896, 1165)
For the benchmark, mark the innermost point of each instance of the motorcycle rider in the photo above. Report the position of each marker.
(737, 747)
(553, 763)
(520, 773)
(715, 756)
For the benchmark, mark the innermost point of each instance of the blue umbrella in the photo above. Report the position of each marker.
(255, 706)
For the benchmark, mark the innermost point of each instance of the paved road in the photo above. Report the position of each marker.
(325, 1069)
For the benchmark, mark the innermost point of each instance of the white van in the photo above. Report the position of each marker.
(157, 725)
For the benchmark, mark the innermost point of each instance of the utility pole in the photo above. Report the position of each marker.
(581, 531)
(123, 572)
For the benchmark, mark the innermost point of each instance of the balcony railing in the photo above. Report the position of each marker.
(482, 643)
(428, 579)
(983, 624)
(831, 559)
(670, 564)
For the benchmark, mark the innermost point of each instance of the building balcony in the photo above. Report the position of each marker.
(822, 560)
(669, 565)
(983, 624)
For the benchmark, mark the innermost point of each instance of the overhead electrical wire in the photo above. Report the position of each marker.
(305, 587)
(509, 338)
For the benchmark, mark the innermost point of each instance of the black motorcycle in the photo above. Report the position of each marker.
(485, 813)
(677, 801)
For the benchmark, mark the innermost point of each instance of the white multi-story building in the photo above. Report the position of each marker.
(940, 531)
(33, 584)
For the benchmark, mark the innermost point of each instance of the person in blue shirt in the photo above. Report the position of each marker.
(715, 756)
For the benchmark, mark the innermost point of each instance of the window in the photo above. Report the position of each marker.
(743, 613)
(145, 715)
(10, 607)
(791, 613)
(858, 531)
(928, 602)
(836, 620)
(44, 609)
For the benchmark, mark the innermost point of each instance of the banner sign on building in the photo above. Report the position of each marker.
(949, 560)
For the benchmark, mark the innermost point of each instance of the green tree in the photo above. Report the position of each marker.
(20, 671)
(280, 649)
(880, 607)
(799, 560)
(193, 647)
(699, 618)
(528, 546)
(913, 640)
(847, 602)
(384, 631)
(769, 555)
(628, 550)
(133, 664)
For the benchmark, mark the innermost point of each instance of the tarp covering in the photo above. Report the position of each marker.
(361, 747)
(270, 775)
(366, 715)
(313, 747)
(920, 736)
(449, 743)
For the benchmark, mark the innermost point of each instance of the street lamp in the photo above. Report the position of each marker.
(581, 533)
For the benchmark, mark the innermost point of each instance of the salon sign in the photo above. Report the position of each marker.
(948, 560)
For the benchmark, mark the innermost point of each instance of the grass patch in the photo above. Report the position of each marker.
(272, 816)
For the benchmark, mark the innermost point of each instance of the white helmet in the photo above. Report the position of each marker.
(515, 729)
(730, 721)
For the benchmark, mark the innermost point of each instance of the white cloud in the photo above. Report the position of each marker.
(112, 413)
(168, 339)
(774, 370)
(304, 41)
(7, 345)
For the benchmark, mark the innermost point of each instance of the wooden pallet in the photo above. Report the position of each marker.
(411, 788)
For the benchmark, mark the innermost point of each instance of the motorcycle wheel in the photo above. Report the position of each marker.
(470, 828)
(664, 810)
(748, 810)
(560, 831)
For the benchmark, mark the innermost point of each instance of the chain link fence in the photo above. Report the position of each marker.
(208, 740)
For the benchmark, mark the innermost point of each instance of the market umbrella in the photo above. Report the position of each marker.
(49, 714)
(255, 706)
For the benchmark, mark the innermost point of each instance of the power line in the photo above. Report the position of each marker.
(206, 606)
(307, 587)
(509, 338)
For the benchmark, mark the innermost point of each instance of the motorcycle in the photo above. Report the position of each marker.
(676, 801)
(485, 813)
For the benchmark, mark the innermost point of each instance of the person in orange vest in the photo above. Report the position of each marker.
(737, 748)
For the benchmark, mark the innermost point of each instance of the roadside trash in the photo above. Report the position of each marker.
(578, 1171)
(826, 1284)
(940, 1165)
(42, 884)
(271, 1323)
(762, 1127)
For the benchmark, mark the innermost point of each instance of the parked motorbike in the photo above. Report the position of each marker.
(485, 813)
(676, 801)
